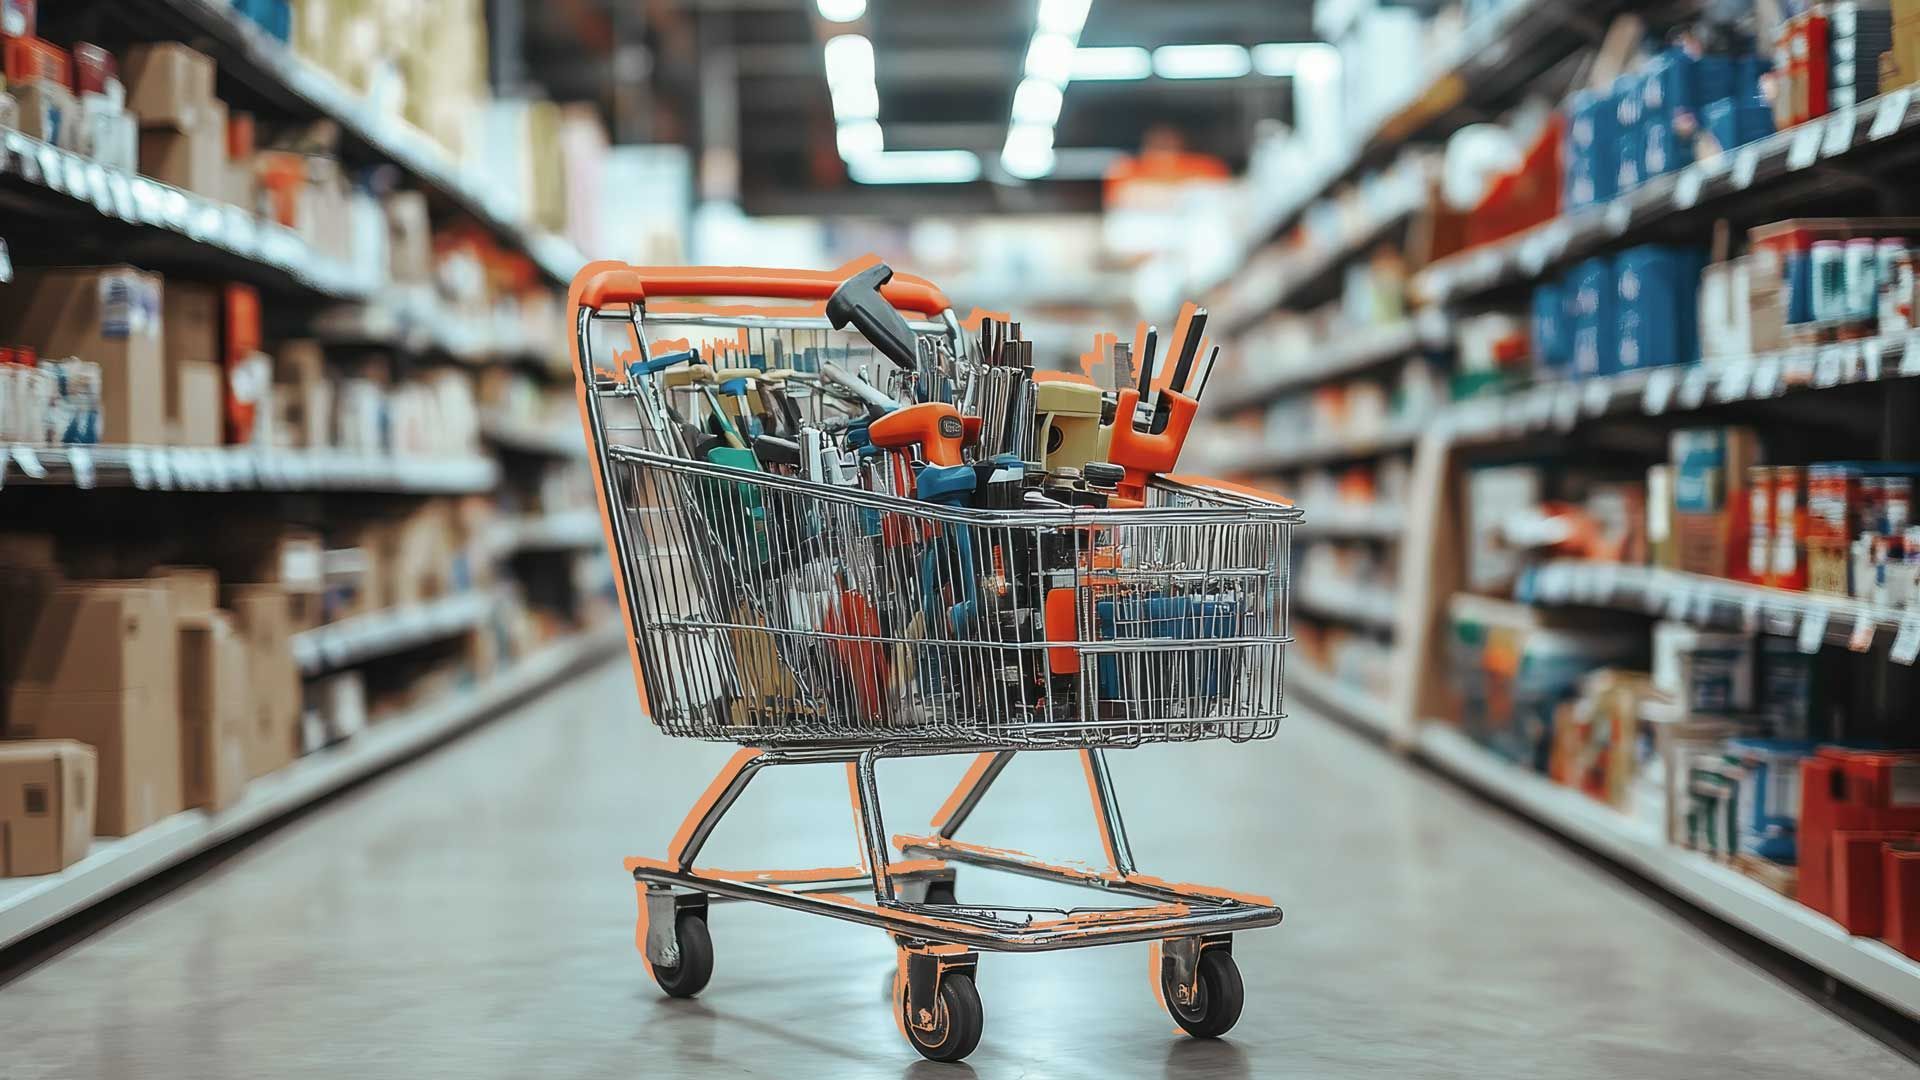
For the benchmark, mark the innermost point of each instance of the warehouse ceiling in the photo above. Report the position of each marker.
(749, 74)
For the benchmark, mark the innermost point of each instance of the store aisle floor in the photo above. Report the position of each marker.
(468, 917)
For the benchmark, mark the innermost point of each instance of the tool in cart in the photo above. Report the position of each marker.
(1147, 437)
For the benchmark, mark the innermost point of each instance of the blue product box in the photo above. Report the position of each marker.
(1552, 351)
(273, 16)
(1627, 161)
(1734, 124)
(1593, 140)
(1657, 289)
(1591, 329)
(1665, 150)
(1667, 82)
(1768, 820)
(1746, 79)
(1715, 77)
(1798, 281)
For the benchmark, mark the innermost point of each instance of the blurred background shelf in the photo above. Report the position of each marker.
(242, 468)
(360, 638)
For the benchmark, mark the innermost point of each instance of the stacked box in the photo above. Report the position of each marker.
(183, 127)
(1655, 290)
(1592, 330)
(1552, 347)
(1593, 141)
(1858, 35)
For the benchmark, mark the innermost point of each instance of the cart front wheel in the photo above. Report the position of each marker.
(957, 1021)
(1217, 996)
(690, 975)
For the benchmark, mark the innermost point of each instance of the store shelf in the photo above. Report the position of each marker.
(1329, 693)
(147, 222)
(243, 468)
(419, 323)
(28, 905)
(1355, 352)
(560, 442)
(1815, 618)
(1683, 388)
(1863, 963)
(248, 56)
(1362, 605)
(361, 638)
(1760, 169)
(1304, 278)
(1490, 65)
(1283, 458)
(1374, 523)
(569, 530)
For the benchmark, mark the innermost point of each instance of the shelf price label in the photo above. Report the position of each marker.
(1566, 408)
(1804, 150)
(1813, 630)
(1596, 396)
(1658, 391)
(1910, 356)
(1906, 643)
(1736, 377)
(1839, 132)
(1870, 359)
(1828, 364)
(1861, 639)
(80, 460)
(1891, 115)
(1618, 216)
(1750, 615)
(1693, 388)
(1766, 376)
(1686, 187)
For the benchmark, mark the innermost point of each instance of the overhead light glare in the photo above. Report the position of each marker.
(1036, 102)
(849, 59)
(1303, 59)
(855, 101)
(916, 167)
(1062, 16)
(841, 10)
(1201, 62)
(1121, 62)
(1050, 58)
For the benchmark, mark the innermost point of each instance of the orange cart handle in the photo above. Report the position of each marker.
(607, 285)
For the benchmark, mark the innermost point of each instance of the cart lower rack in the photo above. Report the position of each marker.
(830, 574)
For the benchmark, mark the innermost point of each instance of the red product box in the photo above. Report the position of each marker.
(246, 381)
(1859, 887)
(29, 58)
(1852, 790)
(93, 68)
(1900, 880)
(1760, 530)
(1813, 29)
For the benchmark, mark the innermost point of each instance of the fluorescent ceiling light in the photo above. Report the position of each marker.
(1124, 62)
(1029, 151)
(1036, 102)
(858, 138)
(916, 167)
(849, 59)
(1050, 57)
(1312, 59)
(855, 101)
(1062, 16)
(1201, 62)
(841, 10)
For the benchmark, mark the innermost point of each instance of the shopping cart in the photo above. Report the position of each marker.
(849, 619)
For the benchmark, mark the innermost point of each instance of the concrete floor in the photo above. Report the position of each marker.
(468, 917)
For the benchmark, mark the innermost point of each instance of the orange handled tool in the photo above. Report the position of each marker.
(934, 426)
(1144, 453)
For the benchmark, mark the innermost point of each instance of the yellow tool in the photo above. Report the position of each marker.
(1069, 423)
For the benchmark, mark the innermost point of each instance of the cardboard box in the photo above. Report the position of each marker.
(216, 710)
(1711, 505)
(198, 389)
(283, 555)
(46, 805)
(273, 738)
(102, 667)
(48, 112)
(193, 590)
(110, 315)
(343, 705)
(28, 577)
(193, 158)
(168, 85)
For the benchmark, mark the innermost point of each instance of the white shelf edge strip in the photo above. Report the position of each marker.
(360, 638)
(1865, 963)
(1331, 693)
(242, 468)
(28, 905)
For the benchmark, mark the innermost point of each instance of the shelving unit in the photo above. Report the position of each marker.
(268, 72)
(1327, 693)
(1861, 962)
(1360, 352)
(243, 468)
(1361, 605)
(521, 438)
(570, 530)
(1378, 523)
(29, 905)
(360, 638)
(152, 223)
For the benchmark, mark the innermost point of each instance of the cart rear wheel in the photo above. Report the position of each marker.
(1217, 999)
(690, 975)
(957, 1021)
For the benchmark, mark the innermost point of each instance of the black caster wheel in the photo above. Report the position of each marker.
(690, 975)
(957, 1021)
(1217, 997)
(941, 892)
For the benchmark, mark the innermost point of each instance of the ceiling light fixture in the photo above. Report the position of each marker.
(855, 101)
(1308, 59)
(1064, 17)
(841, 10)
(1029, 151)
(1201, 61)
(1050, 57)
(1036, 102)
(849, 59)
(915, 167)
(857, 137)
(1122, 62)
